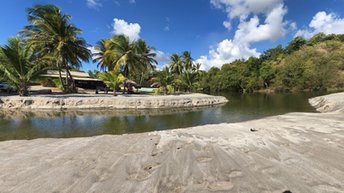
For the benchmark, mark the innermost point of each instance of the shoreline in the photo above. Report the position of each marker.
(296, 152)
(83, 101)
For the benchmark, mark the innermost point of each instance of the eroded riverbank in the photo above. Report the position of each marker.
(109, 102)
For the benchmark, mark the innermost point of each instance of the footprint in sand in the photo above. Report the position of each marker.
(221, 186)
(203, 159)
(235, 174)
(143, 173)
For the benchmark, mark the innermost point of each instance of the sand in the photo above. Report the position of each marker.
(93, 101)
(295, 152)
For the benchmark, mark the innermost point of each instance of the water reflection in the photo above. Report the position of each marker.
(62, 124)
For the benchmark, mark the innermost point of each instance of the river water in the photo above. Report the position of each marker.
(63, 124)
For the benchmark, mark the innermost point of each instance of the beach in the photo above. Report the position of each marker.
(295, 152)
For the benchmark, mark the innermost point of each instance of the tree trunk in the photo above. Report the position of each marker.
(72, 80)
(23, 89)
(67, 82)
(60, 75)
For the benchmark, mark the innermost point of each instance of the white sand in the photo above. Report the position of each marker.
(299, 152)
(92, 101)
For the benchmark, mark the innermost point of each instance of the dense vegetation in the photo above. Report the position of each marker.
(119, 56)
(20, 64)
(314, 64)
(50, 41)
(182, 74)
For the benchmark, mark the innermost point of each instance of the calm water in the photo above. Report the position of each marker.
(57, 124)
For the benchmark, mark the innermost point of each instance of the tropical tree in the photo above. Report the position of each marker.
(104, 54)
(20, 64)
(112, 80)
(146, 56)
(176, 64)
(190, 78)
(121, 55)
(187, 60)
(164, 78)
(51, 32)
(295, 44)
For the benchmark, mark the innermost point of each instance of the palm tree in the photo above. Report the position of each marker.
(189, 80)
(125, 58)
(112, 80)
(164, 78)
(104, 54)
(187, 60)
(20, 64)
(146, 57)
(51, 32)
(176, 64)
(121, 55)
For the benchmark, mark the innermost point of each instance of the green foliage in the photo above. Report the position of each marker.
(112, 79)
(316, 64)
(52, 34)
(93, 74)
(20, 64)
(47, 82)
(170, 89)
(273, 53)
(295, 45)
(133, 59)
(182, 74)
(58, 84)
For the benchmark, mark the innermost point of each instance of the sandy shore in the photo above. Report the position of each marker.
(92, 101)
(296, 152)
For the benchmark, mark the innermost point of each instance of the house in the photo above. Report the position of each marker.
(81, 79)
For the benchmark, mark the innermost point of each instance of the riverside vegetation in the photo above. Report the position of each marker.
(50, 41)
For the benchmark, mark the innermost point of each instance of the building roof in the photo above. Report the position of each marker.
(76, 75)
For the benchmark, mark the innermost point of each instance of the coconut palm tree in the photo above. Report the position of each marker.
(164, 78)
(121, 55)
(189, 80)
(104, 54)
(125, 58)
(146, 55)
(176, 64)
(187, 60)
(51, 32)
(20, 64)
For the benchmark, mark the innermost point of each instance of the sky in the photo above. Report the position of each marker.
(214, 31)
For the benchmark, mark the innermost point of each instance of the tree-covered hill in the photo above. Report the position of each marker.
(314, 64)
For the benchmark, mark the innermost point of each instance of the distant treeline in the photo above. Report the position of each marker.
(314, 64)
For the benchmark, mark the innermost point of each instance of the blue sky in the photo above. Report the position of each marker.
(215, 31)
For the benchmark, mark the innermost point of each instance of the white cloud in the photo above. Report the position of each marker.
(227, 25)
(251, 29)
(323, 22)
(244, 8)
(293, 26)
(162, 57)
(94, 4)
(225, 52)
(132, 1)
(132, 30)
(93, 50)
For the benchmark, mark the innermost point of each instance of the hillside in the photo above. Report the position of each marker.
(314, 64)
